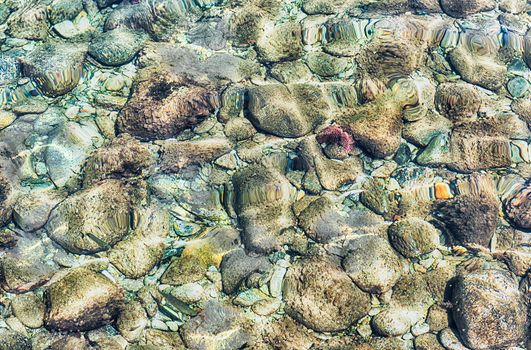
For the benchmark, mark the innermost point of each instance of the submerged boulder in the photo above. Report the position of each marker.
(489, 310)
(93, 219)
(320, 295)
(162, 106)
(56, 68)
(82, 300)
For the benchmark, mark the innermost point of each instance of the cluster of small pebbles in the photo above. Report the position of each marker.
(265, 174)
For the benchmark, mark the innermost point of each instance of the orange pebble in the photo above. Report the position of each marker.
(442, 191)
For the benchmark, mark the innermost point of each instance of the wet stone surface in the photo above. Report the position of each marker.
(265, 174)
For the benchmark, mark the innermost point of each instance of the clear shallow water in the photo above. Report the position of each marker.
(264, 174)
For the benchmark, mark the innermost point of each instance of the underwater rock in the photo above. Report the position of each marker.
(29, 309)
(263, 197)
(177, 155)
(471, 219)
(409, 305)
(481, 70)
(471, 151)
(217, 327)
(116, 47)
(218, 69)
(32, 209)
(326, 65)
(211, 34)
(489, 310)
(162, 106)
(93, 219)
(132, 321)
(322, 220)
(457, 101)
(389, 58)
(69, 146)
(105, 3)
(123, 157)
(239, 129)
(236, 266)
(377, 125)
(331, 173)
(517, 87)
(27, 265)
(522, 107)
(286, 111)
(61, 10)
(82, 300)
(320, 295)
(199, 254)
(462, 9)
(412, 237)
(291, 72)
(518, 208)
(12, 340)
(56, 68)
(136, 255)
(132, 16)
(6, 200)
(371, 263)
(31, 24)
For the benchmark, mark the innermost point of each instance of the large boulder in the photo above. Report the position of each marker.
(163, 105)
(320, 295)
(489, 310)
(93, 219)
(56, 68)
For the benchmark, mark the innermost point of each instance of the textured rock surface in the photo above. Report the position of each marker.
(265, 174)
(82, 300)
(322, 296)
(489, 310)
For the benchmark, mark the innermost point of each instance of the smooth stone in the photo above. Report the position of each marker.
(413, 237)
(82, 300)
(372, 264)
(29, 309)
(518, 87)
(116, 47)
(489, 309)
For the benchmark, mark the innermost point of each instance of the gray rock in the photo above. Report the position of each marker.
(31, 25)
(132, 321)
(489, 310)
(116, 47)
(286, 111)
(69, 146)
(56, 68)
(322, 220)
(372, 264)
(31, 210)
(236, 266)
(217, 327)
(320, 295)
(462, 9)
(33, 106)
(413, 237)
(263, 200)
